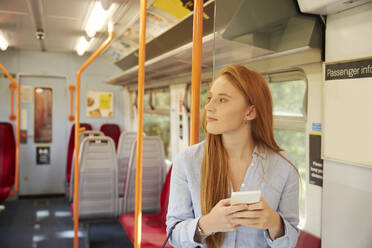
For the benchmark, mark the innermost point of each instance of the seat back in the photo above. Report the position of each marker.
(70, 148)
(113, 131)
(308, 240)
(164, 197)
(125, 143)
(7, 159)
(98, 197)
(153, 168)
(82, 135)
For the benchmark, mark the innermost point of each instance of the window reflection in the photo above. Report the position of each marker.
(43, 114)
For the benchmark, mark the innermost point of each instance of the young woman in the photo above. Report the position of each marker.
(239, 154)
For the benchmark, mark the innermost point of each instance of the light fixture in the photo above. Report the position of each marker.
(98, 18)
(3, 42)
(82, 46)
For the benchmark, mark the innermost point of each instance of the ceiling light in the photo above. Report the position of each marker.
(82, 46)
(3, 42)
(98, 18)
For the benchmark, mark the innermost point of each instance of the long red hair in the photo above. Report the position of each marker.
(214, 172)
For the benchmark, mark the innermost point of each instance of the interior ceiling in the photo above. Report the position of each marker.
(63, 24)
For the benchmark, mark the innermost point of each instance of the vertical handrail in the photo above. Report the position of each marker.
(18, 126)
(197, 45)
(12, 87)
(141, 86)
(71, 88)
(78, 130)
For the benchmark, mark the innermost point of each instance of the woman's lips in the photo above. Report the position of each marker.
(210, 119)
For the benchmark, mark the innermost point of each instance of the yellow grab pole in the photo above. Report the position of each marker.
(197, 43)
(77, 130)
(141, 86)
(18, 127)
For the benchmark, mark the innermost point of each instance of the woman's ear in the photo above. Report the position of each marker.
(251, 114)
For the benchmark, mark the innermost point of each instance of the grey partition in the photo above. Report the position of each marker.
(98, 196)
(82, 135)
(153, 169)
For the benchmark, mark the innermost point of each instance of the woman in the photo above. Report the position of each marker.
(239, 154)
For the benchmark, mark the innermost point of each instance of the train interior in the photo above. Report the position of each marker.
(323, 123)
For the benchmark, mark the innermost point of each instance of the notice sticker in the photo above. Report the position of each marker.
(349, 70)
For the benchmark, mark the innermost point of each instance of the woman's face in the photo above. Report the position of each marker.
(227, 108)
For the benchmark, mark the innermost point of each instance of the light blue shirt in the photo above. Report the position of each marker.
(279, 188)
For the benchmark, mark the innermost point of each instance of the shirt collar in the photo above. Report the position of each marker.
(263, 153)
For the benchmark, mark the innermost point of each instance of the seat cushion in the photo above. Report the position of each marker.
(153, 230)
(112, 131)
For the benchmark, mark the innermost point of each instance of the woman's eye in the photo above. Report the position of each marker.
(209, 98)
(223, 100)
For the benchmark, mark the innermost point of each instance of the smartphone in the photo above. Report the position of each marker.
(245, 197)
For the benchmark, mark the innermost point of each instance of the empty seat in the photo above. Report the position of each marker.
(153, 225)
(82, 135)
(98, 197)
(153, 170)
(70, 148)
(113, 131)
(307, 240)
(7, 159)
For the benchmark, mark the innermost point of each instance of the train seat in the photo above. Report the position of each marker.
(70, 148)
(308, 240)
(82, 135)
(113, 131)
(98, 197)
(153, 225)
(7, 159)
(125, 142)
(153, 173)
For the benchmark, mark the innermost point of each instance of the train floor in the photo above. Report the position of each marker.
(47, 222)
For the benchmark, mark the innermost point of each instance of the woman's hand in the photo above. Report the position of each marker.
(260, 215)
(219, 219)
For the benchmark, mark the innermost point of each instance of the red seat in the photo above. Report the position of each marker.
(7, 159)
(70, 149)
(307, 240)
(112, 131)
(153, 225)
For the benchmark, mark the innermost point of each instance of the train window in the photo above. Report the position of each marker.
(289, 93)
(43, 100)
(288, 98)
(203, 100)
(156, 118)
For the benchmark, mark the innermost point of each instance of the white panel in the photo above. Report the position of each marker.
(349, 34)
(347, 201)
(347, 126)
(326, 7)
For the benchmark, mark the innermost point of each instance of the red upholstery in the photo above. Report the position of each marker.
(70, 149)
(112, 131)
(307, 240)
(153, 225)
(7, 159)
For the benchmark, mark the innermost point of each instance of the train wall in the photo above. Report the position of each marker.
(347, 191)
(93, 78)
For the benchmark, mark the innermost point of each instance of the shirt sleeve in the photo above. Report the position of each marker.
(288, 211)
(180, 209)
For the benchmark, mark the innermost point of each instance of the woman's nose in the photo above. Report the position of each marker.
(209, 106)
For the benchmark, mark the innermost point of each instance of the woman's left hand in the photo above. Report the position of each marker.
(260, 215)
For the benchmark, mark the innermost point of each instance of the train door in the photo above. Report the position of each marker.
(44, 120)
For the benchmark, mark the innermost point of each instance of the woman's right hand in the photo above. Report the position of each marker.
(219, 218)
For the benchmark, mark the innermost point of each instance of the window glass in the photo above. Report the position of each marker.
(157, 122)
(288, 97)
(203, 101)
(43, 114)
(294, 143)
